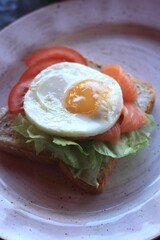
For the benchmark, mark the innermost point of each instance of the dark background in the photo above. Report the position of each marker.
(10, 10)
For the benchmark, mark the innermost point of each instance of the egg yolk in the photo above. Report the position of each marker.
(86, 96)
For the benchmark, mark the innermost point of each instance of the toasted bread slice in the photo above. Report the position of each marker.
(15, 144)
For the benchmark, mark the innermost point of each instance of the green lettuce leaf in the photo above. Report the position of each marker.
(86, 158)
(128, 143)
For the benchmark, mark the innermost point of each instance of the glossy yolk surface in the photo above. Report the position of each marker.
(86, 96)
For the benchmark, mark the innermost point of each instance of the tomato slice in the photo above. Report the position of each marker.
(32, 71)
(37, 62)
(58, 52)
(15, 99)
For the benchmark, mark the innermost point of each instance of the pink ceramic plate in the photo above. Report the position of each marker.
(35, 201)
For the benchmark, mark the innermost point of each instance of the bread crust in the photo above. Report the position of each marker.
(102, 180)
(146, 88)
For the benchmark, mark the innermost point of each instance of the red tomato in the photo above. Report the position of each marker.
(32, 71)
(15, 99)
(58, 52)
(37, 62)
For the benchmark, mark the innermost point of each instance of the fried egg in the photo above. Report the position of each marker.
(73, 100)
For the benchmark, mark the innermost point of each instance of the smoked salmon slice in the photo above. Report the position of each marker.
(111, 135)
(128, 87)
(132, 118)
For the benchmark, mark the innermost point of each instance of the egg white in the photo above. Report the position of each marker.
(44, 102)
